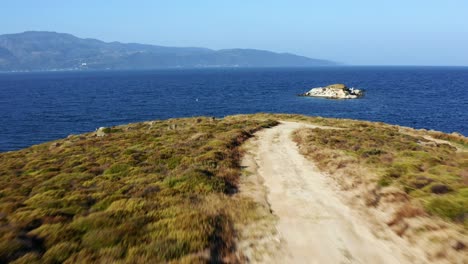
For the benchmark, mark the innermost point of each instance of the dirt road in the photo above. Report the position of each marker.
(314, 223)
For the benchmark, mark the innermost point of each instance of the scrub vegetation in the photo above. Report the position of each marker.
(433, 173)
(165, 191)
(157, 191)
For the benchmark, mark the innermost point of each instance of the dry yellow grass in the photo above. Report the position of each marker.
(406, 178)
(162, 191)
(148, 192)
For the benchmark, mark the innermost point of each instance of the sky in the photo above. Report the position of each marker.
(358, 32)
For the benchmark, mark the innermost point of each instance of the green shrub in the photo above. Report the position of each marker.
(396, 171)
(384, 181)
(118, 168)
(448, 207)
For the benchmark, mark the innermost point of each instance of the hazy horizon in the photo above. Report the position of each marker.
(363, 32)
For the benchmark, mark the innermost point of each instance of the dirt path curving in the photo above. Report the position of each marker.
(314, 223)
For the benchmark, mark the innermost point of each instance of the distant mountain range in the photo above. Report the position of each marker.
(47, 51)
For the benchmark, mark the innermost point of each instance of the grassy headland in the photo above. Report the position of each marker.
(148, 192)
(162, 191)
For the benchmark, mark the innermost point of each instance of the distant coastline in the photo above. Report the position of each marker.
(242, 68)
(51, 51)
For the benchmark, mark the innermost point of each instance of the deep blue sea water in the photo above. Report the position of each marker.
(39, 107)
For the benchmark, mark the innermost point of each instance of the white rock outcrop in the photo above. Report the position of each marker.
(101, 132)
(335, 91)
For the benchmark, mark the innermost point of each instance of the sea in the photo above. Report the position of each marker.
(44, 106)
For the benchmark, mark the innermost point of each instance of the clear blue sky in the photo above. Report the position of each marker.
(372, 32)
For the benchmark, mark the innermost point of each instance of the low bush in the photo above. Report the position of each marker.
(450, 207)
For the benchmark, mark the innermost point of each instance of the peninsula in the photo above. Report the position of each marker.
(257, 188)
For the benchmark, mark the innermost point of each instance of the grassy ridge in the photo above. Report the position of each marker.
(435, 174)
(161, 191)
(148, 192)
